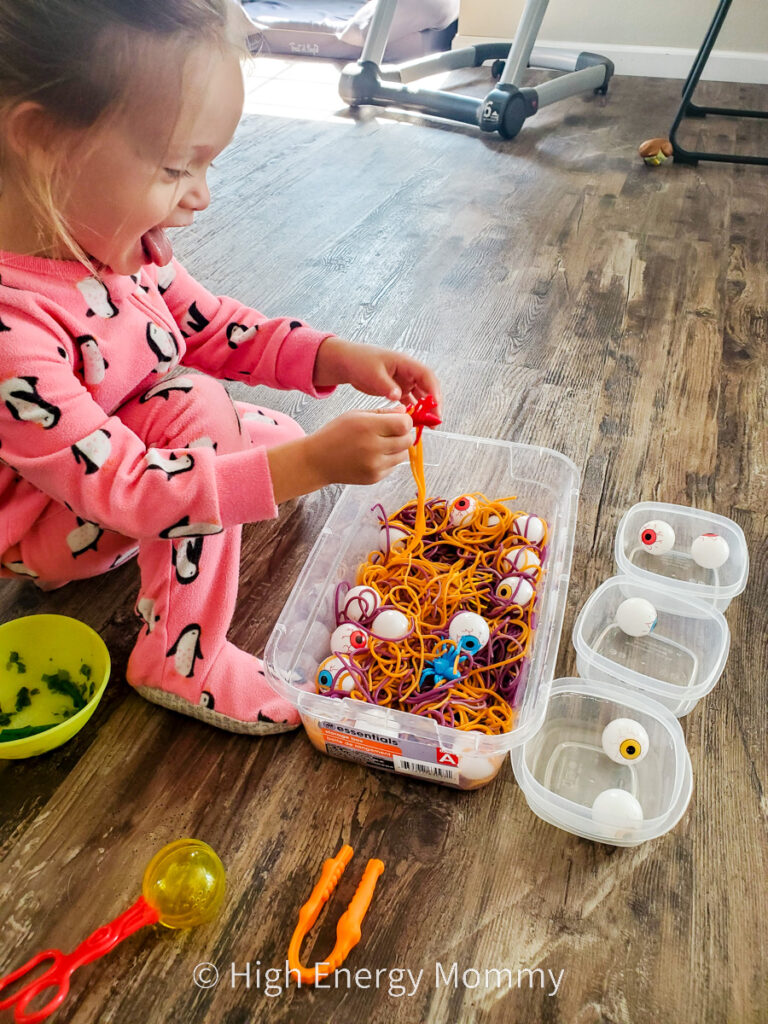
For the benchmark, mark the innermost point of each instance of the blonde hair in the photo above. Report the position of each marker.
(85, 61)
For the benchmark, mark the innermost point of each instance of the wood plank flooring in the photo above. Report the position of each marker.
(567, 296)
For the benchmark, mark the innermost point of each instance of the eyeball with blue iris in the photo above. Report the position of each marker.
(348, 638)
(515, 590)
(522, 560)
(398, 538)
(625, 740)
(332, 672)
(469, 631)
(461, 511)
(657, 537)
(360, 603)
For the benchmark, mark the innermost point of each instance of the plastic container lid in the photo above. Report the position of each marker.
(677, 663)
(677, 569)
(564, 768)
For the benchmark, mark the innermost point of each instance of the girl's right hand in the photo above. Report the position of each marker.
(361, 447)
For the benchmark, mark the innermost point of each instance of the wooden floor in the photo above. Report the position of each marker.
(567, 296)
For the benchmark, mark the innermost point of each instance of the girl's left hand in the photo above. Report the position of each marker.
(374, 371)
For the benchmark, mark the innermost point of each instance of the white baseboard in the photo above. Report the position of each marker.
(660, 61)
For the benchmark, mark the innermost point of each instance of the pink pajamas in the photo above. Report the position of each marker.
(111, 442)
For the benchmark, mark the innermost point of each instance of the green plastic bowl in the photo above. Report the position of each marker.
(53, 671)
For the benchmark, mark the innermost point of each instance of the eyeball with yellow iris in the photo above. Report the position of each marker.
(515, 590)
(625, 740)
(469, 631)
(361, 603)
(332, 672)
(348, 638)
(522, 560)
(461, 511)
(657, 537)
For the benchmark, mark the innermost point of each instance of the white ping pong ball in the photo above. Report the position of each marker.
(710, 551)
(657, 537)
(636, 616)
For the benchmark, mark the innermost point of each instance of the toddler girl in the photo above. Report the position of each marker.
(116, 436)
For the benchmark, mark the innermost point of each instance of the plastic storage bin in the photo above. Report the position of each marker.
(677, 569)
(677, 663)
(564, 768)
(545, 483)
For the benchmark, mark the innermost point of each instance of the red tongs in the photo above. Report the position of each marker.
(423, 414)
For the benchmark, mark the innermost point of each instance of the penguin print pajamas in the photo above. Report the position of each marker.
(116, 433)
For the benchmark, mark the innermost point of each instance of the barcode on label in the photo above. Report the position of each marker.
(432, 771)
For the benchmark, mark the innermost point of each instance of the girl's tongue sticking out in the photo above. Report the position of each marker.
(156, 246)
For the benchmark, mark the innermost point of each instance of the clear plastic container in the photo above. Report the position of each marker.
(677, 663)
(545, 484)
(564, 767)
(677, 569)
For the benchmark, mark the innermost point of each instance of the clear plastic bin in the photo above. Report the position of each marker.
(677, 569)
(545, 484)
(677, 663)
(564, 768)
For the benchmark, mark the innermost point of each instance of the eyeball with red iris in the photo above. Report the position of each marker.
(636, 616)
(530, 527)
(624, 740)
(710, 551)
(522, 560)
(461, 511)
(657, 537)
(390, 624)
(360, 603)
(348, 638)
(515, 589)
(469, 631)
(331, 669)
(397, 538)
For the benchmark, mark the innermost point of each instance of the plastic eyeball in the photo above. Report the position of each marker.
(397, 538)
(493, 520)
(361, 603)
(348, 639)
(469, 631)
(625, 740)
(522, 560)
(334, 668)
(617, 807)
(636, 616)
(391, 624)
(710, 551)
(657, 537)
(516, 589)
(530, 527)
(462, 510)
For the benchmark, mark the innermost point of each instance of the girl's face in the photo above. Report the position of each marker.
(143, 176)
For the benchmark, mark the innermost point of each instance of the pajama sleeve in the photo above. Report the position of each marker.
(58, 438)
(231, 341)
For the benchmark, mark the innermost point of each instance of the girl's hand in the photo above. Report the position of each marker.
(359, 447)
(374, 371)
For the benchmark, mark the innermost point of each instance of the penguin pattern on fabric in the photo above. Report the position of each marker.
(93, 450)
(172, 465)
(97, 297)
(94, 363)
(163, 388)
(186, 650)
(163, 345)
(238, 333)
(194, 321)
(24, 403)
(183, 528)
(85, 537)
(186, 558)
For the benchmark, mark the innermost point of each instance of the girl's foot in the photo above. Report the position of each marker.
(231, 692)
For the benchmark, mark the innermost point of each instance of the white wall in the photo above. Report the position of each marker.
(655, 37)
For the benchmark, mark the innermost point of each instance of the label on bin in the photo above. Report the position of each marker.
(389, 752)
